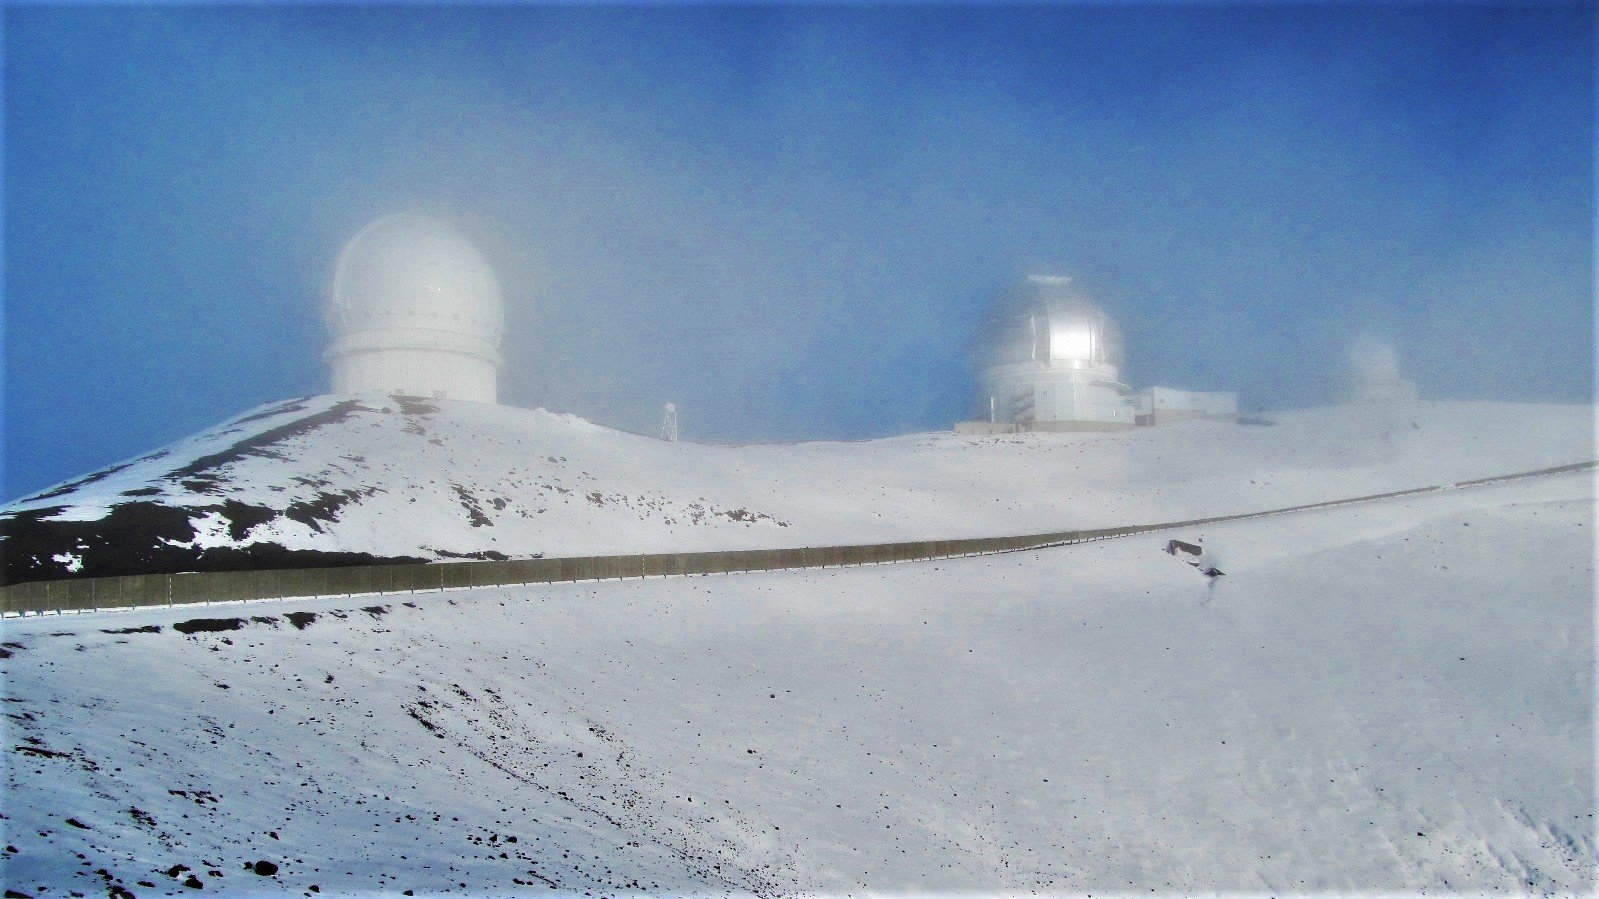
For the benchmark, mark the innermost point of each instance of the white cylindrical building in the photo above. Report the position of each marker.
(1052, 361)
(415, 310)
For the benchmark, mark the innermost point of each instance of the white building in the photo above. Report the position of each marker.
(1371, 375)
(414, 310)
(1161, 405)
(1052, 363)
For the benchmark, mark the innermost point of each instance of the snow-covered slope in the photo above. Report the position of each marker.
(335, 480)
(1388, 697)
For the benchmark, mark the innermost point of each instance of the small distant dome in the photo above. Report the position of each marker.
(1372, 374)
(415, 309)
(1373, 358)
(417, 272)
(1051, 321)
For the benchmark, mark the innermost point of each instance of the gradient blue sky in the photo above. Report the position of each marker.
(789, 220)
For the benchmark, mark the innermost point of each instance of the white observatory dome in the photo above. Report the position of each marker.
(415, 309)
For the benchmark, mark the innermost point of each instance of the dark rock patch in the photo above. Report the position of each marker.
(284, 408)
(313, 513)
(205, 471)
(70, 486)
(490, 555)
(208, 625)
(244, 516)
(412, 405)
(146, 629)
(301, 620)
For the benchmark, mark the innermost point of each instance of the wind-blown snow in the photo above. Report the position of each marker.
(406, 478)
(1394, 696)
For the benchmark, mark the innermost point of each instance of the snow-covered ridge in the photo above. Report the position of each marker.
(333, 480)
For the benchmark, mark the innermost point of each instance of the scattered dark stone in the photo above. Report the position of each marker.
(78, 824)
(194, 883)
(142, 491)
(175, 870)
(375, 611)
(265, 868)
(474, 512)
(301, 620)
(328, 679)
(208, 625)
(1212, 572)
(13, 894)
(147, 629)
(45, 753)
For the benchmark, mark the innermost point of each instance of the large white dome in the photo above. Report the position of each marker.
(415, 309)
(416, 272)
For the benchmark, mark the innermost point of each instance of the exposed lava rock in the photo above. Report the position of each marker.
(208, 625)
(203, 474)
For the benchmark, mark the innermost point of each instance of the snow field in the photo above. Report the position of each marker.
(1390, 697)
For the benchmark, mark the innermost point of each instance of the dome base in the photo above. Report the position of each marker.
(439, 374)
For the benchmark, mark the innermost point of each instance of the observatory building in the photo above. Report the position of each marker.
(414, 310)
(1052, 361)
(1371, 375)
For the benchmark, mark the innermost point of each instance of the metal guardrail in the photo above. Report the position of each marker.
(184, 588)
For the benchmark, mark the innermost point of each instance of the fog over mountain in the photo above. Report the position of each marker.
(790, 222)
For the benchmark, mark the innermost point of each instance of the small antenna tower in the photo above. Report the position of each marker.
(669, 424)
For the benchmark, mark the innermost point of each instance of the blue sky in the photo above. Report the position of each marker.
(790, 220)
